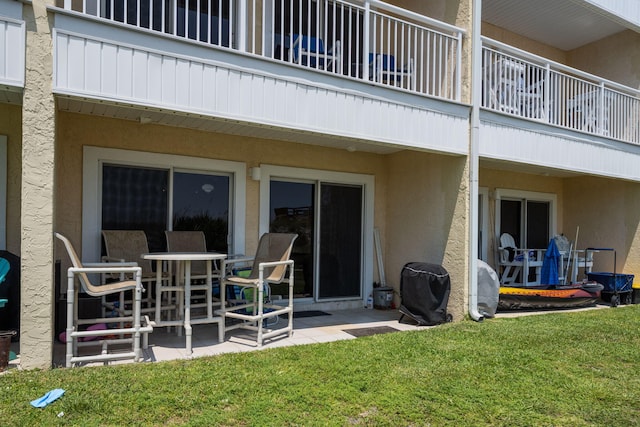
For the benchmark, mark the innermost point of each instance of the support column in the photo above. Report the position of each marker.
(37, 213)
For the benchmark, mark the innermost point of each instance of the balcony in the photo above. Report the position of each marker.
(12, 53)
(372, 41)
(300, 71)
(520, 84)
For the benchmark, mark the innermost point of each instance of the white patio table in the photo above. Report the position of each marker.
(186, 258)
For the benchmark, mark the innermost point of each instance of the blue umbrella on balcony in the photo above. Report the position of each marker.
(549, 273)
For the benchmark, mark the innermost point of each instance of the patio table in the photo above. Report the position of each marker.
(185, 258)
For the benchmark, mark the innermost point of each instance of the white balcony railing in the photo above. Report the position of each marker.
(523, 85)
(362, 39)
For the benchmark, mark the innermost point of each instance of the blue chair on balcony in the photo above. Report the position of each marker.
(385, 70)
(310, 52)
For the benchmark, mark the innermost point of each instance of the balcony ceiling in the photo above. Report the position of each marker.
(564, 24)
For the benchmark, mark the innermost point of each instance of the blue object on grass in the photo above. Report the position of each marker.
(49, 397)
(549, 273)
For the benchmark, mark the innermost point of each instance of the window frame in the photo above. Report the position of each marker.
(268, 172)
(95, 157)
(522, 195)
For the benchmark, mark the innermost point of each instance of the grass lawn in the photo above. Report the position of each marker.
(567, 369)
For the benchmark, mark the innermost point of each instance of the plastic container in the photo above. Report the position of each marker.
(369, 303)
(382, 298)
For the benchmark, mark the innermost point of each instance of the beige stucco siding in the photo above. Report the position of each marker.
(608, 214)
(11, 127)
(524, 43)
(618, 58)
(427, 220)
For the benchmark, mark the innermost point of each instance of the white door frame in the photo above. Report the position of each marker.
(267, 172)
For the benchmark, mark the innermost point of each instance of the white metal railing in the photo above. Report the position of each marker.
(524, 85)
(363, 39)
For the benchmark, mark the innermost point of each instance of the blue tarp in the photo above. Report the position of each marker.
(549, 274)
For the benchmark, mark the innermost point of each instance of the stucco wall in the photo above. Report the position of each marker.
(10, 125)
(608, 214)
(427, 218)
(75, 131)
(615, 58)
(526, 44)
(37, 192)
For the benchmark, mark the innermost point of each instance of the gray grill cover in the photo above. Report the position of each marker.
(488, 289)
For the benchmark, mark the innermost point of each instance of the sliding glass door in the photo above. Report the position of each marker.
(340, 241)
(328, 251)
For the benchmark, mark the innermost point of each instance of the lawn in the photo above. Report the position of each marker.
(565, 369)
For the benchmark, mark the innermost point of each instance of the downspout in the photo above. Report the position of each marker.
(476, 84)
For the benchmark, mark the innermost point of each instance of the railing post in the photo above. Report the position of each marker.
(243, 27)
(546, 93)
(366, 26)
(67, 4)
(600, 116)
(458, 96)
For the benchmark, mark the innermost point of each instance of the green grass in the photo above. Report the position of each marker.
(567, 369)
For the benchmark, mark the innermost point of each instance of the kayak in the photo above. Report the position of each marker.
(571, 296)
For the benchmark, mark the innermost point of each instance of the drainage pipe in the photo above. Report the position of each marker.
(476, 84)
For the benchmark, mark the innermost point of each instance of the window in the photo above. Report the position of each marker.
(167, 192)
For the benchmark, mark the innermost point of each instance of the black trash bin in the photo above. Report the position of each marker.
(424, 293)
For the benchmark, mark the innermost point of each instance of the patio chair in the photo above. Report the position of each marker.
(270, 265)
(310, 52)
(385, 70)
(134, 326)
(514, 262)
(192, 241)
(128, 246)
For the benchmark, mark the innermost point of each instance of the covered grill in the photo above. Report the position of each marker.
(424, 292)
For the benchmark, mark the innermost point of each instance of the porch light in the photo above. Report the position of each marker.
(255, 173)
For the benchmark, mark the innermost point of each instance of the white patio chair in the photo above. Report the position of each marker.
(514, 262)
(128, 246)
(270, 265)
(193, 241)
(135, 325)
